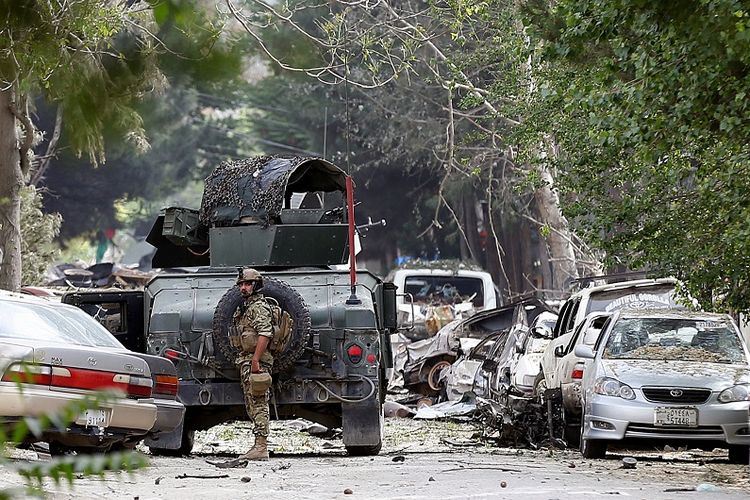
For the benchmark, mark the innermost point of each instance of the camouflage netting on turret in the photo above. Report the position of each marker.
(255, 189)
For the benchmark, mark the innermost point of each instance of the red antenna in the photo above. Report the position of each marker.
(353, 299)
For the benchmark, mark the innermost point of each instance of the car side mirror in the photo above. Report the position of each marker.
(584, 352)
(559, 351)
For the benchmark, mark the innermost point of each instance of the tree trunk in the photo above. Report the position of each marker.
(561, 251)
(11, 182)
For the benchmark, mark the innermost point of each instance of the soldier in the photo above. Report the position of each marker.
(253, 333)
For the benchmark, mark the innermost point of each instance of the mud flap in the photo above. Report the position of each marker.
(362, 424)
(167, 440)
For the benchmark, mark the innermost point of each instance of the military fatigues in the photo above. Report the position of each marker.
(254, 321)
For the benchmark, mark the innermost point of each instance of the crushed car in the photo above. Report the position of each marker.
(530, 349)
(418, 366)
(667, 376)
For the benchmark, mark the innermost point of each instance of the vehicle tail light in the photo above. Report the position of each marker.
(355, 353)
(166, 384)
(371, 358)
(79, 378)
(577, 372)
(174, 355)
(28, 374)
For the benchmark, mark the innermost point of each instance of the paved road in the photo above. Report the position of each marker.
(417, 463)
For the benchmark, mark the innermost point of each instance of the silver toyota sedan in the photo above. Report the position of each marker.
(667, 376)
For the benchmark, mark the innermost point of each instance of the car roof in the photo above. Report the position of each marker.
(624, 284)
(671, 314)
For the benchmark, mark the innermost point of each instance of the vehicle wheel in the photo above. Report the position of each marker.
(571, 429)
(739, 454)
(288, 299)
(540, 385)
(433, 377)
(591, 448)
(188, 441)
(364, 451)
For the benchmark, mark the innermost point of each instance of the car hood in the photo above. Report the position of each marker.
(639, 373)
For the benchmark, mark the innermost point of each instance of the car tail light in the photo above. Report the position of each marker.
(355, 353)
(166, 384)
(174, 355)
(79, 378)
(577, 372)
(28, 374)
(371, 358)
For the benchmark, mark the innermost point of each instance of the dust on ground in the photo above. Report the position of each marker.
(420, 459)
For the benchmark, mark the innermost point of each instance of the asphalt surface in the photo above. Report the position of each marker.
(419, 460)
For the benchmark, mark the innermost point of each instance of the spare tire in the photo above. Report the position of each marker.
(288, 299)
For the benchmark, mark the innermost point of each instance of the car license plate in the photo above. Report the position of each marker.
(94, 418)
(678, 417)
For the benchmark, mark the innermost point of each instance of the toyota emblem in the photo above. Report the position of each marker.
(675, 393)
(92, 361)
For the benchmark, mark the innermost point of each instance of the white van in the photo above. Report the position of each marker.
(439, 296)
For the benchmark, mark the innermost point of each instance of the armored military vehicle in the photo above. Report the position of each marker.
(288, 218)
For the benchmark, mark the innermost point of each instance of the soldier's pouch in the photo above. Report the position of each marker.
(248, 341)
(260, 383)
(234, 337)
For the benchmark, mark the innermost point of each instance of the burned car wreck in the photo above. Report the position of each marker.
(423, 367)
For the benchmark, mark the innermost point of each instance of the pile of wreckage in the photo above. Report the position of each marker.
(62, 277)
(481, 368)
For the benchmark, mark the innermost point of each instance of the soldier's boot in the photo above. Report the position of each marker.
(259, 451)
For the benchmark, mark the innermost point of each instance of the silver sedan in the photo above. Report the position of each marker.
(670, 376)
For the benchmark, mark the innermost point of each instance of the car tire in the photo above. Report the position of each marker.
(739, 454)
(289, 300)
(571, 429)
(433, 375)
(364, 451)
(540, 385)
(591, 448)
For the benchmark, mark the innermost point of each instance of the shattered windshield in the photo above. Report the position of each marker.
(675, 339)
(445, 289)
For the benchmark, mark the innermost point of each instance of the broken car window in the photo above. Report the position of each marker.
(445, 289)
(675, 339)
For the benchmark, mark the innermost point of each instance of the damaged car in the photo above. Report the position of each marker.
(418, 366)
(530, 350)
(667, 376)
(562, 371)
(53, 355)
(438, 293)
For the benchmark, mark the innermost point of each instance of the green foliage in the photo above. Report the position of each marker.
(59, 469)
(647, 101)
(38, 232)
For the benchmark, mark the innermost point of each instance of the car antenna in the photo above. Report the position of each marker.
(353, 299)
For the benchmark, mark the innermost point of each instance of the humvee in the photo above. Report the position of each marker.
(287, 217)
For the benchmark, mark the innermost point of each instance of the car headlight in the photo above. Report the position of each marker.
(739, 392)
(613, 387)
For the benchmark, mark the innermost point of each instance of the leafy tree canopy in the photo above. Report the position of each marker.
(648, 101)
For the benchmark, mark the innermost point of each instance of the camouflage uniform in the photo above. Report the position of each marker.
(254, 318)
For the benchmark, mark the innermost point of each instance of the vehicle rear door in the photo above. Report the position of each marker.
(121, 312)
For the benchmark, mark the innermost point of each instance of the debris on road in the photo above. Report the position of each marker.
(394, 409)
(201, 476)
(629, 463)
